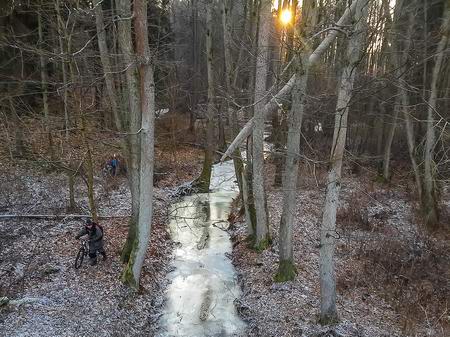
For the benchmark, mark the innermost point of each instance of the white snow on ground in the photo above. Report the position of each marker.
(291, 308)
(36, 265)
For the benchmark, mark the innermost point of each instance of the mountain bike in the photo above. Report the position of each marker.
(82, 252)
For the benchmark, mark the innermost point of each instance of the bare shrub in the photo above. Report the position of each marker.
(354, 215)
(412, 276)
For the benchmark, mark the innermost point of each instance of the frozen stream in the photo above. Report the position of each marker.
(199, 299)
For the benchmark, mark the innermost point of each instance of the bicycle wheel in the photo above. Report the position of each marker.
(80, 257)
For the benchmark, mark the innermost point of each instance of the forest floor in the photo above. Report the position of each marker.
(48, 296)
(393, 278)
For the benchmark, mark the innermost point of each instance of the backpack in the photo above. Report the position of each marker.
(101, 228)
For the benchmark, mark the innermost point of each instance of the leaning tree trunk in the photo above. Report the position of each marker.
(132, 271)
(284, 92)
(328, 311)
(429, 204)
(262, 221)
(202, 182)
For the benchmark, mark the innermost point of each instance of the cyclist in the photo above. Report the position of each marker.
(95, 232)
(114, 165)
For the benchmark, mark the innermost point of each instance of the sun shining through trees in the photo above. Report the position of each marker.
(286, 16)
(226, 153)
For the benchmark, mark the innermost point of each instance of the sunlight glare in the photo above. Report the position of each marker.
(286, 16)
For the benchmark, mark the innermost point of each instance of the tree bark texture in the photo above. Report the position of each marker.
(132, 271)
(202, 182)
(285, 91)
(262, 221)
(429, 207)
(286, 268)
(132, 103)
(328, 311)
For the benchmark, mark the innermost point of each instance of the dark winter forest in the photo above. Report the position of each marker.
(201, 168)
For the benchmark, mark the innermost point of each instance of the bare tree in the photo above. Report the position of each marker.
(328, 311)
(44, 83)
(62, 33)
(430, 208)
(262, 221)
(286, 268)
(132, 271)
(203, 181)
(285, 91)
(132, 104)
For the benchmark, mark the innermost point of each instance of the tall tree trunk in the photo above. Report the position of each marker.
(429, 205)
(277, 127)
(379, 131)
(61, 34)
(89, 163)
(251, 214)
(19, 139)
(291, 31)
(195, 64)
(245, 198)
(273, 104)
(388, 144)
(202, 182)
(400, 61)
(130, 145)
(44, 82)
(328, 311)
(132, 271)
(221, 120)
(71, 181)
(226, 25)
(411, 142)
(398, 64)
(246, 30)
(107, 70)
(60, 28)
(286, 268)
(132, 103)
(262, 221)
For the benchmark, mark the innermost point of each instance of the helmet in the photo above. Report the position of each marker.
(88, 222)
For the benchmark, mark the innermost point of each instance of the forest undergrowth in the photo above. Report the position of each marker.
(392, 275)
(47, 295)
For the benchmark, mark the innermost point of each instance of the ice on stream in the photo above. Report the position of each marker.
(199, 299)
